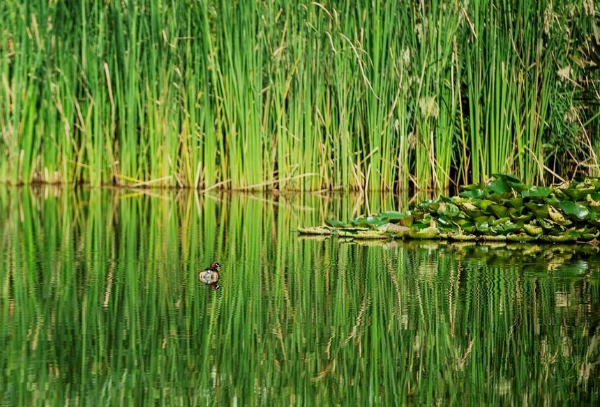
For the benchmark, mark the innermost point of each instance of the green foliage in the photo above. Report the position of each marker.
(503, 209)
(304, 95)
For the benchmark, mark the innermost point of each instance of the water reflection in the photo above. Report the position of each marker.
(101, 303)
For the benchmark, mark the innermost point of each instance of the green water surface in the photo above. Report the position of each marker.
(101, 306)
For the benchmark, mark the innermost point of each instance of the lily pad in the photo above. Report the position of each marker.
(499, 210)
(507, 177)
(482, 204)
(578, 194)
(521, 218)
(536, 192)
(392, 215)
(575, 210)
(499, 186)
(532, 230)
(516, 203)
(520, 237)
(431, 232)
(501, 221)
(539, 210)
(448, 209)
(558, 217)
(482, 219)
(473, 194)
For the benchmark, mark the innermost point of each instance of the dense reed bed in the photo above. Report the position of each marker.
(302, 95)
(100, 305)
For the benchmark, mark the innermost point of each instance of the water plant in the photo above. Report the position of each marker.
(348, 95)
(503, 209)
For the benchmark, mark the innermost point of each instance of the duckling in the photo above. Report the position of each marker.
(210, 275)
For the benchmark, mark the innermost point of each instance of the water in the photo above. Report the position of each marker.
(101, 305)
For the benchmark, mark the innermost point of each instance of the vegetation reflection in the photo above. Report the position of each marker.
(101, 303)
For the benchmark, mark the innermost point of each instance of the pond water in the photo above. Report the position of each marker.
(101, 305)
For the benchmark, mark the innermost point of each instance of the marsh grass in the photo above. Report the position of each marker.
(349, 95)
(100, 303)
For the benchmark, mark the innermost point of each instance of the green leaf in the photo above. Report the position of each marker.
(473, 194)
(539, 210)
(558, 217)
(393, 215)
(577, 194)
(335, 223)
(499, 210)
(482, 219)
(360, 222)
(482, 203)
(532, 230)
(536, 192)
(526, 217)
(573, 209)
(516, 203)
(376, 221)
(500, 221)
(507, 177)
(448, 209)
(498, 186)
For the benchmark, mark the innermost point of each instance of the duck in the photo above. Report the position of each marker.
(210, 275)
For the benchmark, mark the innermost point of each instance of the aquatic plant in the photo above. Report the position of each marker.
(502, 209)
(353, 95)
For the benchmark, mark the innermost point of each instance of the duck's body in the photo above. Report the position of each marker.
(210, 275)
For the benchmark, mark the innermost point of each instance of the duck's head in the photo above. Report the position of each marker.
(215, 265)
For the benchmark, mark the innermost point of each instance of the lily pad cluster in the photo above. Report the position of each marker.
(503, 209)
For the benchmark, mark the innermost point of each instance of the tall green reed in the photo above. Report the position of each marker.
(346, 95)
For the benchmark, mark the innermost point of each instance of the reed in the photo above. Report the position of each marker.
(349, 95)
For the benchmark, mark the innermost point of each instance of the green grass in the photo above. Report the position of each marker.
(348, 95)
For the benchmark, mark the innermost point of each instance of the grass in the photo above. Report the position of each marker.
(349, 95)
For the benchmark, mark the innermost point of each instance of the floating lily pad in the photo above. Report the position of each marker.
(559, 238)
(315, 230)
(507, 177)
(499, 186)
(431, 232)
(578, 194)
(393, 215)
(521, 218)
(484, 228)
(516, 203)
(500, 221)
(520, 237)
(539, 210)
(335, 223)
(494, 238)
(508, 227)
(360, 222)
(575, 210)
(363, 234)
(482, 204)
(558, 217)
(473, 194)
(536, 192)
(448, 209)
(504, 208)
(499, 210)
(482, 219)
(533, 230)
